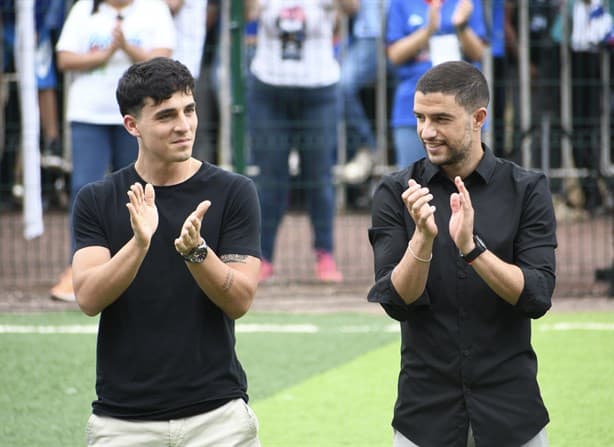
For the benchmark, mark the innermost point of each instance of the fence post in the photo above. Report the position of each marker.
(237, 136)
(525, 84)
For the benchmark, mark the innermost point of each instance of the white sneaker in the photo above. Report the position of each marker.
(359, 168)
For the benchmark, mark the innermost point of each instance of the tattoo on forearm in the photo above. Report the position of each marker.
(230, 277)
(234, 258)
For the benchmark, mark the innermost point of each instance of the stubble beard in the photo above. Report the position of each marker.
(458, 152)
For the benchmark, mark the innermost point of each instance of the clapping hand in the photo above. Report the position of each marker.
(434, 16)
(462, 12)
(143, 213)
(189, 237)
(416, 199)
(461, 220)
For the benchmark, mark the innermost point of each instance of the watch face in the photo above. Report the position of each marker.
(198, 255)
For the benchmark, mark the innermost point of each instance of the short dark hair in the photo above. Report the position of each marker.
(458, 78)
(158, 78)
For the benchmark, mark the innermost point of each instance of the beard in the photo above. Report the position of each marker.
(457, 155)
(458, 151)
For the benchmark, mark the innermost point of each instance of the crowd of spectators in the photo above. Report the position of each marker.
(96, 40)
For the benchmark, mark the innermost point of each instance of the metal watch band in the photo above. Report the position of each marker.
(198, 254)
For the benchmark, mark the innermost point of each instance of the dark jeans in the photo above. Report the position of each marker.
(96, 150)
(282, 118)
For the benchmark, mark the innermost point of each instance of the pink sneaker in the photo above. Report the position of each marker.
(326, 268)
(266, 271)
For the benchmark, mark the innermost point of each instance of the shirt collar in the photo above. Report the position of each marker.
(485, 168)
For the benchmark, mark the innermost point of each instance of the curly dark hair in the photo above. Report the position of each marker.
(157, 78)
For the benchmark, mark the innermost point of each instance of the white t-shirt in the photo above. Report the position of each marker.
(190, 28)
(295, 43)
(146, 23)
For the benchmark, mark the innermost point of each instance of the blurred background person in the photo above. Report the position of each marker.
(586, 100)
(49, 16)
(359, 65)
(189, 17)
(293, 104)
(99, 41)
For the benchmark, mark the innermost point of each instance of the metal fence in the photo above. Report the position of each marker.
(585, 248)
(537, 128)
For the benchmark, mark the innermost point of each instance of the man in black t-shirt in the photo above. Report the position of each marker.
(168, 253)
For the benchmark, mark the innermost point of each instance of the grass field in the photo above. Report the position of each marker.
(315, 380)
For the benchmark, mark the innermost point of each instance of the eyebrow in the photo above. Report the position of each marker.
(172, 110)
(436, 115)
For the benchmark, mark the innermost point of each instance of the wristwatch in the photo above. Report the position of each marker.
(198, 254)
(480, 248)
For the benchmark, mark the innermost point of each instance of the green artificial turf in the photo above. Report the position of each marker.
(330, 383)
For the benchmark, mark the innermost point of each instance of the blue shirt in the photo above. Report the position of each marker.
(404, 18)
(497, 31)
(367, 21)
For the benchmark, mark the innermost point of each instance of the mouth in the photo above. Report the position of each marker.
(433, 146)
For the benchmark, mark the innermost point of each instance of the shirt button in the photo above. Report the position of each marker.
(466, 352)
(461, 274)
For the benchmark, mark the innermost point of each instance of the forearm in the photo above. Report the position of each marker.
(138, 54)
(69, 61)
(411, 273)
(506, 280)
(99, 285)
(251, 10)
(471, 44)
(228, 287)
(409, 46)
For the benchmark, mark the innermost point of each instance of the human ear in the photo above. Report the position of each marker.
(479, 118)
(130, 125)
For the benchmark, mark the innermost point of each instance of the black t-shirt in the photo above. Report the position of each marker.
(165, 350)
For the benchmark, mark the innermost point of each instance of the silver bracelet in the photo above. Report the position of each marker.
(418, 258)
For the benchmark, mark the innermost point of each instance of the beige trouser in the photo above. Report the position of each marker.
(540, 440)
(231, 425)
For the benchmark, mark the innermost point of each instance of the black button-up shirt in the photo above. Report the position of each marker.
(466, 354)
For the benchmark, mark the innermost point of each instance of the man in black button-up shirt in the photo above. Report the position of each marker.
(464, 245)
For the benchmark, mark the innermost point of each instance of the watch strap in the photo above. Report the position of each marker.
(480, 248)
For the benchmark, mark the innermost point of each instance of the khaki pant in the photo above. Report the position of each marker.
(540, 440)
(231, 425)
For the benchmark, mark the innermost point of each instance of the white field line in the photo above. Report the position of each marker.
(240, 328)
(584, 326)
(288, 328)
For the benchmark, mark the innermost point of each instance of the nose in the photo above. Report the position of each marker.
(426, 130)
(182, 124)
